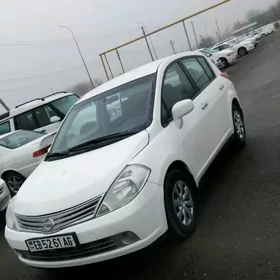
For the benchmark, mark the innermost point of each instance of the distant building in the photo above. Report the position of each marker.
(245, 29)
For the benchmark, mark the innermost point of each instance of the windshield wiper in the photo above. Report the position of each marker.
(91, 143)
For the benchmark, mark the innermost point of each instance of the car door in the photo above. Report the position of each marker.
(191, 137)
(211, 108)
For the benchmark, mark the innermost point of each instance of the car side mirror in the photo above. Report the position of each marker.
(181, 109)
(209, 55)
(55, 119)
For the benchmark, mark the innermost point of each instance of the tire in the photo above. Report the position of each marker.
(14, 181)
(181, 223)
(239, 127)
(242, 51)
(224, 61)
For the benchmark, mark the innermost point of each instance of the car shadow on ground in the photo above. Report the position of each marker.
(160, 258)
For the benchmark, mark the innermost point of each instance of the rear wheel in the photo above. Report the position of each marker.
(180, 204)
(239, 127)
(242, 51)
(14, 181)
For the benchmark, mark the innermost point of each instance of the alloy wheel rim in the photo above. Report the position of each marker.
(14, 184)
(239, 126)
(183, 203)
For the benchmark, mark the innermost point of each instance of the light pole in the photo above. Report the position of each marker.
(148, 46)
(195, 34)
(77, 45)
(151, 41)
(172, 43)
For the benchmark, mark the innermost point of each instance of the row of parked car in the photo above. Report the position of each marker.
(26, 133)
(227, 51)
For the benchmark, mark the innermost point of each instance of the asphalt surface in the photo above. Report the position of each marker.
(238, 233)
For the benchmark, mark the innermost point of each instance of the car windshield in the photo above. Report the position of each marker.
(211, 50)
(64, 104)
(118, 112)
(19, 138)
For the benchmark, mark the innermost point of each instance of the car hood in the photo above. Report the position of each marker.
(61, 184)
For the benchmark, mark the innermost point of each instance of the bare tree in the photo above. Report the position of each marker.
(206, 42)
(84, 87)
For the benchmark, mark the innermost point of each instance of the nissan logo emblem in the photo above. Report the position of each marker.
(49, 224)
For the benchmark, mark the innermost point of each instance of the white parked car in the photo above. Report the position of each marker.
(240, 48)
(267, 29)
(123, 182)
(227, 56)
(42, 114)
(214, 58)
(5, 195)
(21, 152)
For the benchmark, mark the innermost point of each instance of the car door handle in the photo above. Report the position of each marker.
(221, 87)
(204, 105)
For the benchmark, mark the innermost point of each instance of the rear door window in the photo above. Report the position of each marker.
(207, 68)
(26, 121)
(5, 127)
(197, 72)
(43, 115)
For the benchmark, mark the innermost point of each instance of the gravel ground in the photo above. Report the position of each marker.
(239, 223)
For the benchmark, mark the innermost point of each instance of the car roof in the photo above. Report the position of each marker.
(29, 105)
(134, 74)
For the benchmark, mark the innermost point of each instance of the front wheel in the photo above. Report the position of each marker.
(180, 204)
(14, 181)
(239, 127)
(224, 62)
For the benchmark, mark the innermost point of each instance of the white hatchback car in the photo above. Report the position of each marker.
(21, 151)
(115, 182)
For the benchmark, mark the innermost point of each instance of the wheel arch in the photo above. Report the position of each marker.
(180, 165)
(236, 103)
(10, 171)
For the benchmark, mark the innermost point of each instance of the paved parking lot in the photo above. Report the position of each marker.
(238, 235)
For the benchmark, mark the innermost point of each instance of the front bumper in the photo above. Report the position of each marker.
(144, 216)
(231, 59)
(5, 197)
(251, 47)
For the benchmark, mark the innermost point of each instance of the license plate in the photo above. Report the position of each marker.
(51, 243)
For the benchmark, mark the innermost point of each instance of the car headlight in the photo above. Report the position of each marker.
(125, 188)
(10, 217)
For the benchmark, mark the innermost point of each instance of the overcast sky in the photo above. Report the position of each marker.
(37, 56)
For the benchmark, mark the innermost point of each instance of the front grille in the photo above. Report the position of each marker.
(54, 222)
(1, 190)
(82, 251)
